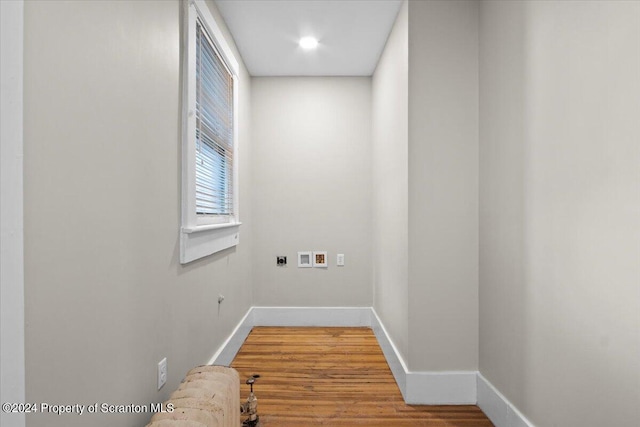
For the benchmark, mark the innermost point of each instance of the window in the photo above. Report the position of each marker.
(210, 209)
(214, 132)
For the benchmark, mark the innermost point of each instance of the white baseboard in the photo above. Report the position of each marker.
(500, 411)
(417, 388)
(288, 316)
(312, 316)
(228, 350)
(425, 388)
(394, 358)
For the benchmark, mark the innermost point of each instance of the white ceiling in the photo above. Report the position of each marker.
(351, 35)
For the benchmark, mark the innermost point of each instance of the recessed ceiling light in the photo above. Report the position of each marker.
(308, 42)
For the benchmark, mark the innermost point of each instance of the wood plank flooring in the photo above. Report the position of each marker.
(333, 377)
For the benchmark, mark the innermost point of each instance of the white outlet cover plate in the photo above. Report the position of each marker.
(340, 260)
(162, 373)
(320, 259)
(304, 259)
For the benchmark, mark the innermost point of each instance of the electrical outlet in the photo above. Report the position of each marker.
(281, 261)
(340, 260)
(162, 373)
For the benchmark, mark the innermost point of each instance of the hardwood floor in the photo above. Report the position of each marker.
(333, 377)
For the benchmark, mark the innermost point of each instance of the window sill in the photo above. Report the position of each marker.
(203, 240)
(199, 228)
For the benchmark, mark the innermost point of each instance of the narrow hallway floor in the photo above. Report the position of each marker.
(333, 377)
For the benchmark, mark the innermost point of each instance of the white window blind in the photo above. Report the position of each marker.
(214, 130)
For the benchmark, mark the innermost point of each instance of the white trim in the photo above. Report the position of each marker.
(194, 246)
(419, 388)
(199, 228)
(500, 411)
(12, 350)
(312, 316)
(228, 350)
(425, 388)
(394, 358)
(215, 32)
(198, 239)
(288, 316)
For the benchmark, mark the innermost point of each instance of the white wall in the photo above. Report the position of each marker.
(12, 369)
(311, 189)
(425, 175)
(560, 209)
(443, 185)
(390, 183)
(105, 295)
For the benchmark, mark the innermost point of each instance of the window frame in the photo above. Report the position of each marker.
(201, 235)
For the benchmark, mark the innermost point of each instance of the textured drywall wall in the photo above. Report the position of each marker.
(443, 185)
(311, 187)
(106, 297)
(390, 86)
(560, 209)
